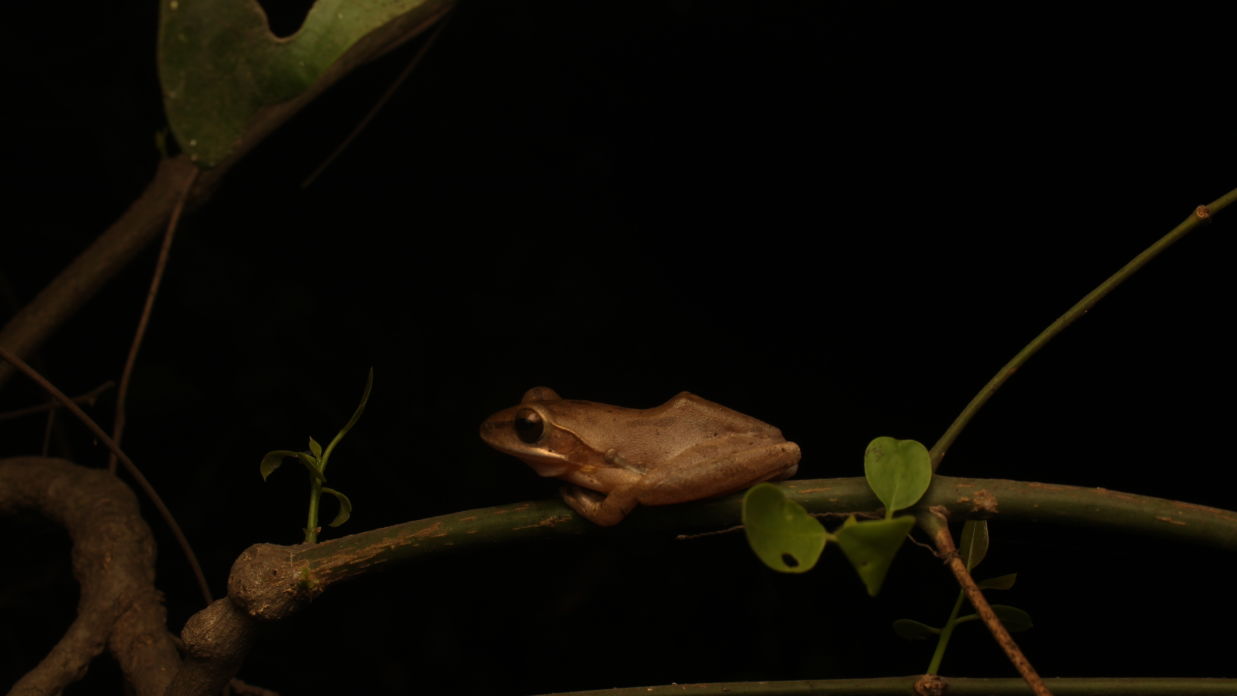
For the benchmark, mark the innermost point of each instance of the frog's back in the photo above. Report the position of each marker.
(710, 418)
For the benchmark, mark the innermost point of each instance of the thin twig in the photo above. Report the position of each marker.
(88, 398)
(386, 97)
(142, 483)
(934, 523)
(122, 393)
(1200, 214)
(49, 428)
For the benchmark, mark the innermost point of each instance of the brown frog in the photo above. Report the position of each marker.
(614, 458)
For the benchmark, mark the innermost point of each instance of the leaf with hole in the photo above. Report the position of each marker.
(780, 531)
(871, 545)
(898, 471)
(221, 67)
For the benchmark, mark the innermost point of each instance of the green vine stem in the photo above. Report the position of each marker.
(1201, 214)
(320, 565)
(947, 632)
(311, 523)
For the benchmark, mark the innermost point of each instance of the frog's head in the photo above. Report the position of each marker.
(533, 432)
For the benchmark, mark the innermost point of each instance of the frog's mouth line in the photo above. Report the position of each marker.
(546, 466)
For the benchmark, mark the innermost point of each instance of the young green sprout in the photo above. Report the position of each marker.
(315, 461)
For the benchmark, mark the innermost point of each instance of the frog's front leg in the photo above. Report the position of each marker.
(602, 509)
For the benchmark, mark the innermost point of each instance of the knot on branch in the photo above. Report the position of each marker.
(265, 583)
(930, 685)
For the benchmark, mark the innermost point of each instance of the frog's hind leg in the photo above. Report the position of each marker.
(707, 478)
(602, 509)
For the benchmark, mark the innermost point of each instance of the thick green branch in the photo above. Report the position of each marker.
(314, 567)
(902, 686)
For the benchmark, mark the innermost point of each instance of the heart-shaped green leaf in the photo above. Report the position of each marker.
(909, 629)
(871, 545)
(898, 471)
(780, 531)
(974, 542)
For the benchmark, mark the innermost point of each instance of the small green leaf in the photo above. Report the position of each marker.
(313, 465)
(345, 507)
(780, 531)
(898, 471)
(1000, 582)
(871, 545)
(1013, 618)
(974, 544)
(271, 461)
(314, 448)
(909, 629)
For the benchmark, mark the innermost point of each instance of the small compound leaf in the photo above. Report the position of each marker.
(1015, 619)
(871, 545)
(910, 629)
(345, 507)
(271, 461)
(1000, 582)
(314, 448)
(898, 471)
(974, 542)
(780, 531)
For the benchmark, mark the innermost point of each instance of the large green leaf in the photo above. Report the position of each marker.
(871, 545)
(219, 64)
(780, 531)
(898, 471)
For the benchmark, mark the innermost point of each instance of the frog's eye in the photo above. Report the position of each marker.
(528, 425)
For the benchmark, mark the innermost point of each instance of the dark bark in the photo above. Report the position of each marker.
(113, 558)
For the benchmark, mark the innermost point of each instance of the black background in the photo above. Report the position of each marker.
(839, 217)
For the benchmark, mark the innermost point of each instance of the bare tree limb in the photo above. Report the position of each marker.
(113, 560)
(216, 639)
(126, 374)
(145, 219)
(104, 258)
(88, 399)
(130, 467)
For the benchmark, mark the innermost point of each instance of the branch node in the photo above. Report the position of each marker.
(930, 685)
(264, 583)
